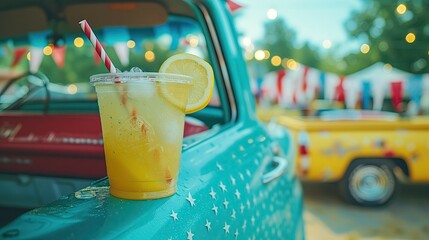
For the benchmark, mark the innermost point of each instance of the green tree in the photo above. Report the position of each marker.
(385, 30)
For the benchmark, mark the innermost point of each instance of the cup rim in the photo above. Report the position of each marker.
(122, 77)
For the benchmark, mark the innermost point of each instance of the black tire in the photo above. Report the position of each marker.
(369, 182)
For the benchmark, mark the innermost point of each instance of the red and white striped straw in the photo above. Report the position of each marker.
(98, 47)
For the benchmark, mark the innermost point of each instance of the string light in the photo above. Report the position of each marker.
(272, 14)
(131, 44)
(267, 54)
(401, 9)
(364, 48)
(259, 55)
(47, 50)
(72, 89)
(149, 56)
(78, 42)
(410, 38)
(276, 61)
(327, 44)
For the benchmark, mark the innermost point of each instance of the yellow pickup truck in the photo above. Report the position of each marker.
(366, 152)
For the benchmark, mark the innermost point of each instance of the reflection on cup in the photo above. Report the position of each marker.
(142, 118)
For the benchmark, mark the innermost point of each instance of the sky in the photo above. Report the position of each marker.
(312, 20)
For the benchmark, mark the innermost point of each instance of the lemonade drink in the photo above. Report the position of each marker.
(142, 131)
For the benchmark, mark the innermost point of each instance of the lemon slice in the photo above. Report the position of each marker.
(202, 83)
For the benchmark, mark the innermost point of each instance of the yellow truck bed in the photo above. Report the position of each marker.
(364, 153)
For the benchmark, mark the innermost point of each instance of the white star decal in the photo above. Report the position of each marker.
(190, 235)
(232, 180)
(241, 176)
(225, 203)
(208, 225)
(244, 225)
(247, 187)
(248, 173)
(237, 194)
(191, 200)
(248, 203)
(212, 193)
(219, 166)
(241, 207)
(214, 208)
(233, 214)
(226, 228)
(253, 220)
(173, 215)
(236, 233)
(222, 186)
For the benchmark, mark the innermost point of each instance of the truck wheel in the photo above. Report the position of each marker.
(369, 182)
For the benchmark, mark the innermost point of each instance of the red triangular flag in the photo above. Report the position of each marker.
(304, 78)
(17, 55)
(280, 75)
(233, 6)
(396, 95)
(339, 90)
(59, 54)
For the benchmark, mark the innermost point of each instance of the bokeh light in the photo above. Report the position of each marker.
(259, 55)
(149, 56)
(72, 89)
(327, 44)
(78, 42)
(364, 48)
(401, 9)
(272, 14)
(47, 50)
(276, 61)
(193, 41)
(292, 64)
(410, 38)
(131, 44)
(29, 56)
(267, 54)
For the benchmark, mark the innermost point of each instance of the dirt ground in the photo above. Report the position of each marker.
(328, 217)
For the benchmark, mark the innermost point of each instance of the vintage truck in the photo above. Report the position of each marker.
(237, 178)
(365, 152)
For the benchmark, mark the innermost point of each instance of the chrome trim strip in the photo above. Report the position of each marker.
(222, 64)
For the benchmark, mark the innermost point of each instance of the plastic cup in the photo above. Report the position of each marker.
(142, 117)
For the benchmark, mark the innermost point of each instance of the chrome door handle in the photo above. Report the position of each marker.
(276, 172)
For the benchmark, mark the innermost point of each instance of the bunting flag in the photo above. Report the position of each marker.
(279, 84)
(118, 38)
(123, 53)
(339, 90)
(415, 85)
(18, 53)
(366, 94)
(378, 92)
(352, 93)
(233, 6)
(38, 40)
(175, 33)
(396, 95)
(322, 86)
(304, 79)
(59, 54)
(36, 57)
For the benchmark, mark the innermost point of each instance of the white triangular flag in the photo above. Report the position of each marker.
(352, 91)
(123, 53)
(36, 57)
(378, 92)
